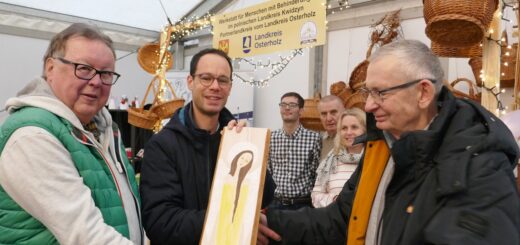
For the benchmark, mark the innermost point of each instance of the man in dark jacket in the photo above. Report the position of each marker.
(436, 169)
(179, 161)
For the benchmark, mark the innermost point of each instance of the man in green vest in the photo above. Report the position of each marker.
(64, 175)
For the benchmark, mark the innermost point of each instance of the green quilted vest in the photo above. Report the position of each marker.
(16, 225)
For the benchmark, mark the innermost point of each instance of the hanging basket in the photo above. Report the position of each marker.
(310, 117)
(358, 75)
(149, 58)
(472, 93)
(165, 109)
(458, 23)
(459, 52)
(140, 117)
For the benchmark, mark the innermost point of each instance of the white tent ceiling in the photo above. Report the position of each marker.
(143, 14)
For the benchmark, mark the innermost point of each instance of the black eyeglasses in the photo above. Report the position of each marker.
(86, 72)
(288, 105)
(207, 79)
(377, 95)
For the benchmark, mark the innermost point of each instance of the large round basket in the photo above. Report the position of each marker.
(458, 23)
(459, 52)
(149, 58)
(166, 109)
(142, 118)
(310, 117)
(358, 75)
(357, 99)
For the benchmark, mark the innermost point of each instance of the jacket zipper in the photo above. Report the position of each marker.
(131, 191)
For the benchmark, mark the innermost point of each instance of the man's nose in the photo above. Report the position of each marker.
(370, 104)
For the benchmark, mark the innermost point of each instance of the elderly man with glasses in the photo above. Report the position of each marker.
(179, 162)
(294, 156)
(436, 170)
(64, 176)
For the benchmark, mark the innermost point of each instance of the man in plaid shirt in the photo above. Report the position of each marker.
(294, 155)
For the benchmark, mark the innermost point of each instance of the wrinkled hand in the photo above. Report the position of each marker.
(264, 233)
(238, 125)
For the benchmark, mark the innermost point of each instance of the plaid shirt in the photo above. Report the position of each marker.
(293, 160)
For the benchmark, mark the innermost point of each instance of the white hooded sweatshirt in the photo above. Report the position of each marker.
(38, 173)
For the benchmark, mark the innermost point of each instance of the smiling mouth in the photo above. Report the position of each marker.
(90, 96)
(213, 98)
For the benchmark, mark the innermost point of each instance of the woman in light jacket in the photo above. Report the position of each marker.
(342, 160)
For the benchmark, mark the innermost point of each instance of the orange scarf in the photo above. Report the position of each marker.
(374, 164)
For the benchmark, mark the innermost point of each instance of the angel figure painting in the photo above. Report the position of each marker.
(236, 192)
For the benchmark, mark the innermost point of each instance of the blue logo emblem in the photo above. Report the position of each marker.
(246, 44)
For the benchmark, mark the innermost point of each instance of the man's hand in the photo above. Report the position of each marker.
(238, 125)
(264, 233)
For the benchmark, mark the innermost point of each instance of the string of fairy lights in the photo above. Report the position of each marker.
(276, 68)
(496, 91)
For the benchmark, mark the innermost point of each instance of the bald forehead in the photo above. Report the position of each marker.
(332, 102)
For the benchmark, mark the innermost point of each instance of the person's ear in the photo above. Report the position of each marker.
(426, 94)
(189, 79)
(49, 67)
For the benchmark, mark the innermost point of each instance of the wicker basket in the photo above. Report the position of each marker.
(149, 60)
(337, 87)
(166, 109)
(357, 99)
(459, 52)
(476, 67)
(458, 23)
(142, 118)
(472, 94)
(310, 117)
(358, 75)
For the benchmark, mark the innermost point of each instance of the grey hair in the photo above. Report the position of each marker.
(58, 43)
(415, 59)
(330, 98)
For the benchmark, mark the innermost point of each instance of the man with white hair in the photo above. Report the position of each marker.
(436, 169)
(329, 107)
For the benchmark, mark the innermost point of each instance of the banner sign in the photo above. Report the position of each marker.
(270, 27)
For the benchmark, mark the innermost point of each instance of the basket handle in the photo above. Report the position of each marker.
(471, 85)
(150, 85)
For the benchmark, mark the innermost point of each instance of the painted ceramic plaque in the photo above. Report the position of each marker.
(236, 192)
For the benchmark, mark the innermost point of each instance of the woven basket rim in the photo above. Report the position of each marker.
(166, 109)
(148, 58)
(141, 118)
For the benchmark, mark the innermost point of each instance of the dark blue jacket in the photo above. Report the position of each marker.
(176, 177)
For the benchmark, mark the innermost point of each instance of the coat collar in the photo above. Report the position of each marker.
(182, 122)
